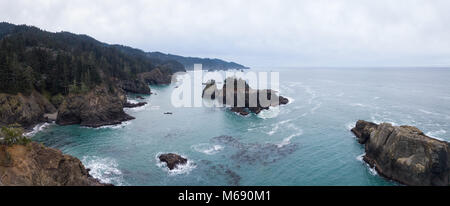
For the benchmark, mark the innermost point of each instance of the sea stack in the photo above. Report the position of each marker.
(405, 154)
(172, 160)
(242, 98)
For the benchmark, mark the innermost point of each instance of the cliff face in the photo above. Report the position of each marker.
(23, 109)
(405, 154)
(36, 165)
(135, 86)
(97, 108)
(156, 76)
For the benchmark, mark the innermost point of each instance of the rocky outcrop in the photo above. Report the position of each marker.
(405, 154)
(157, 76)
(172, 160)
(134, 86)
(98, 107)
(134, 105)
(26, 110)
(242, 99)
(37, 165)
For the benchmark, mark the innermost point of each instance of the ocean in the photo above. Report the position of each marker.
(307, 142)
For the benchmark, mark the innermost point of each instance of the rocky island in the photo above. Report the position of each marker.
(172, 160)
(242, 98)
(405, 154)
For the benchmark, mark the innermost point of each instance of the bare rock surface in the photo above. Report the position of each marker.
(405, 154)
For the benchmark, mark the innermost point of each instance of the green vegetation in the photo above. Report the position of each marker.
(63, 63)
(12, 135)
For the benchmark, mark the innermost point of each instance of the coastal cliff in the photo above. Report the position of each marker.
(134, 86)
(405, 154)
(26, 110)
(36, 165)
(99, 107)
(156, 76)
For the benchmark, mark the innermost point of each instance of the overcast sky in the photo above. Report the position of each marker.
(258, 32)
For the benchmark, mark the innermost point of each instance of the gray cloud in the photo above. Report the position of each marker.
(258, 32)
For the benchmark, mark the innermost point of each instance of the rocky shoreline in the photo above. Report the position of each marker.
(404, 154)
(37, 165)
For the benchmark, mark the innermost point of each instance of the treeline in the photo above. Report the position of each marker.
(60, 63)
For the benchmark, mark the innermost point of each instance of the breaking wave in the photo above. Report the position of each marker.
(209, 149)
(179, 169)
(270, 113)
(117, 126)
(37, 129)
(437, 134)
(104, 169)
(372, 170)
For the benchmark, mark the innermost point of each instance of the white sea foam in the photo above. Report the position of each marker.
(208, 149)
(425, 111)
(358, 105)
(132, 101)
(37, 129)
(104, 169)
(361, 158)
(349, 126)
(313, 110)
(287, 140)
(274, 129)
(291, 100)
(136, 109)
(272, 112)
(276, 126)
(372, 170)
(310, 92)
(179, 170)
(437, 134)
(382, 120)
(117, 126)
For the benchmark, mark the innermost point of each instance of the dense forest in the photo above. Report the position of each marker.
(60, 63)
(188, 62)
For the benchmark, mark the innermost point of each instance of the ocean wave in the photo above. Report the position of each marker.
(372, 170)
(179, 169)
(117, 126)
(137, 109)
(436, 134)
(208, 149)
(270, 113)
(291, 100)
(132, 101)
(382, 119)
(277, 126)
(310, 92)
(425, 111)
(287, 140)
(104, 169)
(37, 129)
(313, 110)
(349, 126)
(358, 105)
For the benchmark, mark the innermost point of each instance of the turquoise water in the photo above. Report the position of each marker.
(307, 143)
